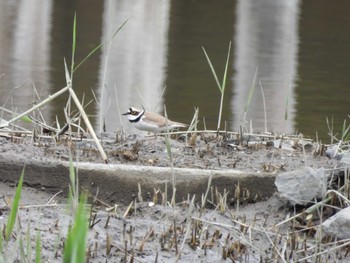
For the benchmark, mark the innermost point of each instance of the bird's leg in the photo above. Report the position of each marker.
(154, 142)
(152, 148)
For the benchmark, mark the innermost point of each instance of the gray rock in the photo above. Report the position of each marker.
(345, 159)
(337, 226)
(333, 152)
(302, 186)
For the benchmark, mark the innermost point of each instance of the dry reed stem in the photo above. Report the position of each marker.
(40, 104)
(325, 251)
(80, 108)
(88, 124)
(128, 209)
(237, 232)
(188, 227)
(275, 248)
(307, 211)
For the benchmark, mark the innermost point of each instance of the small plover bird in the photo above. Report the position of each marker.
(150, 121)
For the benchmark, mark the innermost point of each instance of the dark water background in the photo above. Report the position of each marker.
(299, 49)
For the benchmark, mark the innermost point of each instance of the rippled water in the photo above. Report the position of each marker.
(299, 51)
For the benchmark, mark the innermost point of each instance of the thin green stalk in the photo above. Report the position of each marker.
(212, 69)
(21, 250)
(74, 43)
(167, 139)
(100, 45)
(287, 102)
(170, 156)
(223, 84)
(1, 242)
(11, 220)
(250, 95)
(73, 187)
(38, 248)
(330, 129)
(345, 131)
(69, 77)
(264, 103)
(105, 71)
(75, 245)
(28, 245)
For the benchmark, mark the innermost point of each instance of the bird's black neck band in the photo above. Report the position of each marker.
(138, 117)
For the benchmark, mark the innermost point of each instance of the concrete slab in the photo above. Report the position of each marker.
(119, 183)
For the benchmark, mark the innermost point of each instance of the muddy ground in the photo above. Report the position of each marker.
(151, 229)
(243, 233)
(254, 153)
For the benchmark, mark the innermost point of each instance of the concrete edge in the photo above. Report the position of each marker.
(118, 183)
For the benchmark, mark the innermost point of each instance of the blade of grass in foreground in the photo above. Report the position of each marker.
(38, 248)
(11, 220)
(1, 242)
(75, 245)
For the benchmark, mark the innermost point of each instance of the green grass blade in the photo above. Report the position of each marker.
(119, 28)
(167, 140)
(287, 102)
(72, 176)
(168, 148)
(28, 245)
(21, 250)
(212, 69)
(100, 45)
(226, 67)
(75, 245)
(1, 242)
(74, 42)
(223, 85)
(26, 119)
(73, 194)
(88, 56)
(251, 92)
(11, 220)
(345, 131)
(38, 248)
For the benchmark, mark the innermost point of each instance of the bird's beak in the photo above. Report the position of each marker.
(126, 113)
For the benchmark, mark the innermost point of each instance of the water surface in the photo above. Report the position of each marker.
(297, 49)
